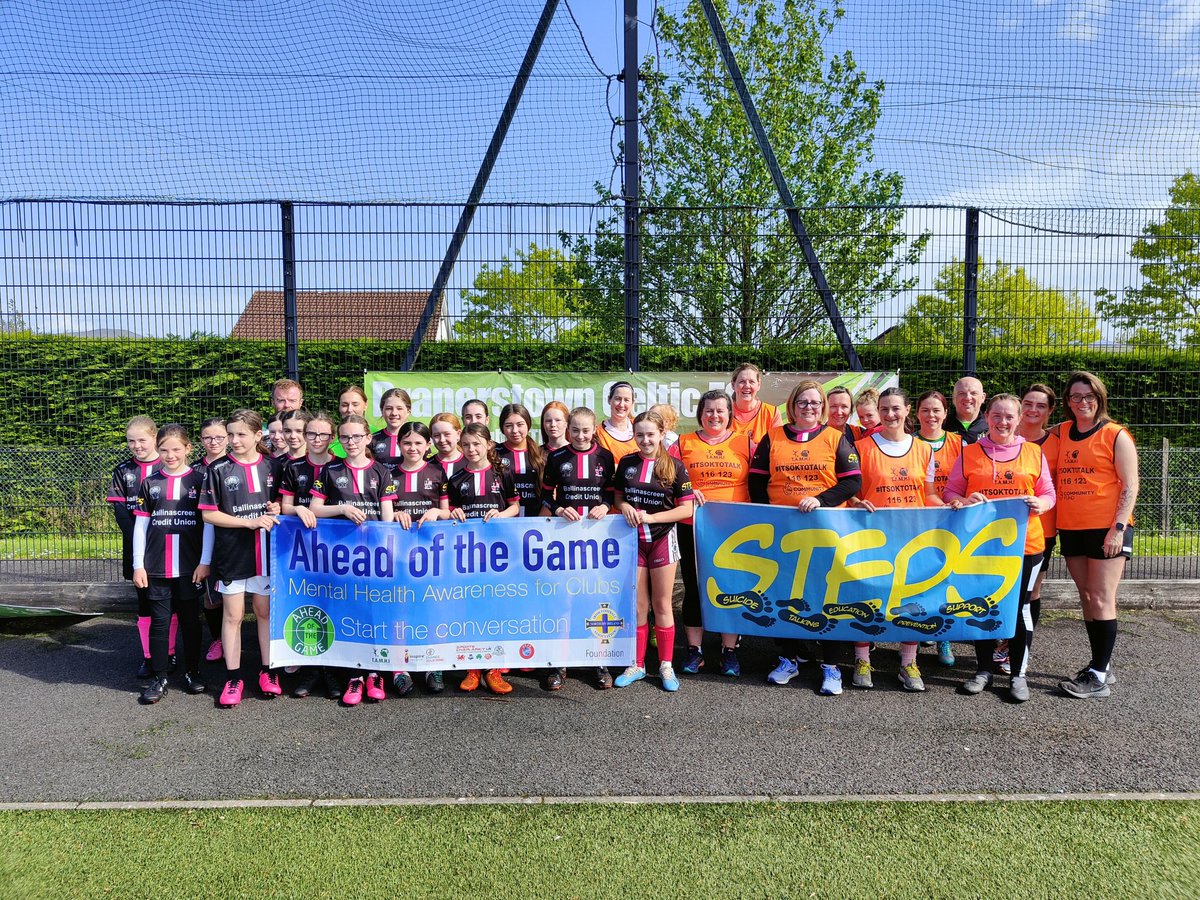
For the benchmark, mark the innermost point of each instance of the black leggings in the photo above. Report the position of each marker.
(176, 595)
(1022, 639)
(692, 617)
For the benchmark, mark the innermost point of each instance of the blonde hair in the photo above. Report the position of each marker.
(142, 423)
(669, 414)
(808, 385)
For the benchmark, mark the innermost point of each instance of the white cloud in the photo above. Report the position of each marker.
(1173, 22)
(1084, 20)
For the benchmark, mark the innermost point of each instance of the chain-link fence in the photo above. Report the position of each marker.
(183, 312)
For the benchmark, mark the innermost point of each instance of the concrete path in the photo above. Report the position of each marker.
(76, 733)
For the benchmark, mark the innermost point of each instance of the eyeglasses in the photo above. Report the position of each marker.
(214, 439)
(1082, 398)
(352, 438)
(318, 436)
(808, 404)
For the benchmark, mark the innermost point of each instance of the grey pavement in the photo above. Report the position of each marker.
(76, 733)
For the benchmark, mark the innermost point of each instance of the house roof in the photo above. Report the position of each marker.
(338, 315)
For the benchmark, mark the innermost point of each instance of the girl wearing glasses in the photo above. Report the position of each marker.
(1097, 489)
(359, 489)
(805, 465)
(213, 441)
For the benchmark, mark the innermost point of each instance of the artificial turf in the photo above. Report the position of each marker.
(1060, 849)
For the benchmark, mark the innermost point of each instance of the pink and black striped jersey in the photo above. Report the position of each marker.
(578, 479)
(299, 476)
(385, 447)
(475, 491)
(419, 491)
(636, 481)
(175, 533)
(241, 490)
(525, 477)
(364, 488)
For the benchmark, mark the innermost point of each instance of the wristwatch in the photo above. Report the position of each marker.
(1120, 527)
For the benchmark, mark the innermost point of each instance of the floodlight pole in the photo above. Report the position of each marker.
(971, 292)
(632, 194)
(785, 193)
(481, 180)
(291, 338)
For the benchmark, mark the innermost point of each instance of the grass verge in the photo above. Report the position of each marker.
(1048, 849)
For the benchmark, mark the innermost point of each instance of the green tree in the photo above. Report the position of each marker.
(1015, 312)
(720, 264)
(1164, 310)
(534, 297)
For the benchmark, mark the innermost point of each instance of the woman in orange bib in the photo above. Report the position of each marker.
(1002, 465)
(750, 415)
(897, 471)
(1098, 487)
(805, 465)
(615, 433)
(718, 460)
(932, 410)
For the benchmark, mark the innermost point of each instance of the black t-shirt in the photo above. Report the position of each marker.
(175, 535)
(642, 489)
(525, 478)
(576, 479)
(475, 491)
(241, 490)
(365, 488)
(419, 491)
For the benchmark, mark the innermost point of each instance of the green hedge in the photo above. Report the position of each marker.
(62, 391)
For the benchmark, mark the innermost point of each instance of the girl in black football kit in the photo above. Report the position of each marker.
(359, 489)
(214, 441)
(520, 457)
(445, 429)
(420, 498)
(295, 495)
(576, 484)
(395, 406)
(122, 494)
(235, 500)
(172, 548)
(481, 490)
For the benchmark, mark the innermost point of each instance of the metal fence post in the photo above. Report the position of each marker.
(632, 192)
(971, 291)
(290, 333)
(1165, 514)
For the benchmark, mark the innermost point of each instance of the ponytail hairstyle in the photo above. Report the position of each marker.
(173, 430)
(868, 397)
(253, 421)
(532, 451)
(479, 430)
(664, 466)
(909, 427)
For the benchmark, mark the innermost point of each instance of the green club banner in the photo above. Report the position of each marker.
(438, 392)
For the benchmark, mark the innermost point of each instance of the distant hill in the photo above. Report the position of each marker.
(104, 333)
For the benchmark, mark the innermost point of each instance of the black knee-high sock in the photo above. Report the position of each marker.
(1103, 635)
(213, 617)
(984, 650)
(1035, 610)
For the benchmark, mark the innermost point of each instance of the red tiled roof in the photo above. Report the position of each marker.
(337, 315)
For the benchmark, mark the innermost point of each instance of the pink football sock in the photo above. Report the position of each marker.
(666, 642)
(862, 651)
(144, 633)
(908, 653)
(643, 638)
(171, 638)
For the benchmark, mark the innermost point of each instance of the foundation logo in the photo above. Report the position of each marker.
(309, 631)
(604, 623)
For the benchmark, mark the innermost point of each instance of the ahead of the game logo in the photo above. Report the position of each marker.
(604, 623)
(309, 631)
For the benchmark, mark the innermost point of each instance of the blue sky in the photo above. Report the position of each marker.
(1005, 104)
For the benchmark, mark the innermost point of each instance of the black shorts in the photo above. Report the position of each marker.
(1089, 542)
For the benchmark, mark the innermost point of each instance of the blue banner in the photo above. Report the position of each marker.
(509, 593)
(850, 575)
